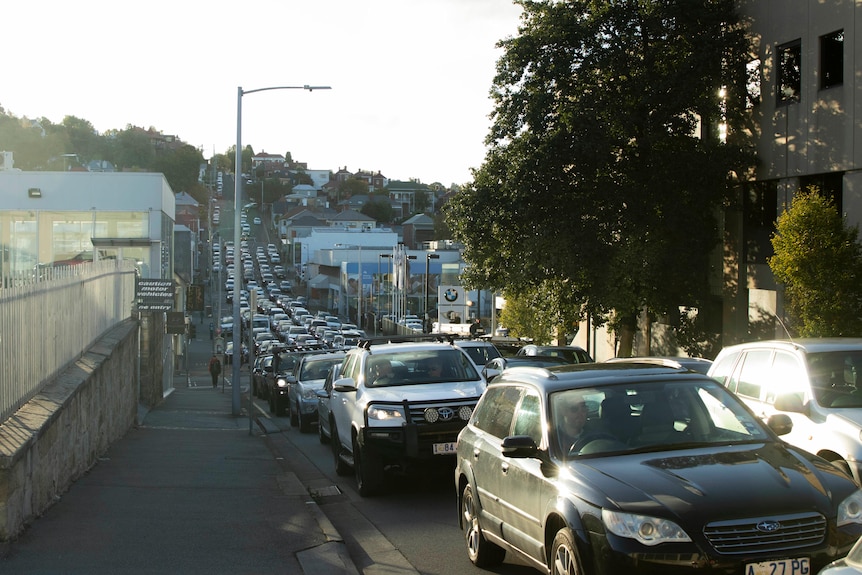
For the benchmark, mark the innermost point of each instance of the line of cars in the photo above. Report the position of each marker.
(672, 471)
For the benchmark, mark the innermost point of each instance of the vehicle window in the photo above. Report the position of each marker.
(495, 410)
(786, 377)
(754, 373)
(836, 378)
(317, 369)
(528, 420)
(418, 367)
(481, 354)
(722, 369)
(350, 367)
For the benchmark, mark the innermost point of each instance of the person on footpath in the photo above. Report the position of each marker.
(215, 369)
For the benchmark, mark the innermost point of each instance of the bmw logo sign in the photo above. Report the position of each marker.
(450, 294)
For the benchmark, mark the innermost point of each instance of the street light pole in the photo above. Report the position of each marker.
(428, 258)
(236, 359)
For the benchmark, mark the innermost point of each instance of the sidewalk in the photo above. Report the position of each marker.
(189, 490)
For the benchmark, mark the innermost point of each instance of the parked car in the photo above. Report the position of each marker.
(262, 365)
(393, 409)
(816, 382)
(633, 468)
(496, 366)
(571, 353)
(302, 386)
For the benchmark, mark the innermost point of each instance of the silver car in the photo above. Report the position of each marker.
(303, 385)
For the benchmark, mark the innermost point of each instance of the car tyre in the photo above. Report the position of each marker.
(564, 554)
(341, 467)
(368, 470)
(481, 552)
(271, 405)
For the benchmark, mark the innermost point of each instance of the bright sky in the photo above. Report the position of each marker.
(410, 78)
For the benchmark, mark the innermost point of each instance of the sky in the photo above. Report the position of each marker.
(410, 79)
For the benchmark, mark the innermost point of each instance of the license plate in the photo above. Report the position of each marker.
(444, 448)
(780, 567)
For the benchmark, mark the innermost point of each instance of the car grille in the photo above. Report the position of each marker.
(767, 533)
(448, 411)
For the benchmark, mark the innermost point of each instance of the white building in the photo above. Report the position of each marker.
(68, 217)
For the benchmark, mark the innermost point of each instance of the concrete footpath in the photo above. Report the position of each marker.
(189, 490)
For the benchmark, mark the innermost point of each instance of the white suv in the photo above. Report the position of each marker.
(817, 382)
(400, 405)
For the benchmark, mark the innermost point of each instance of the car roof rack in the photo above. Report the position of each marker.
(366, 343)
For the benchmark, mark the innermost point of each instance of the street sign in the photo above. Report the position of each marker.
(154, 294)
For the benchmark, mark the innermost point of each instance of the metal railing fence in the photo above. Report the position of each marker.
(49, 319)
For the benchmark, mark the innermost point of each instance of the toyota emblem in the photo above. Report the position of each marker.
(446, 413)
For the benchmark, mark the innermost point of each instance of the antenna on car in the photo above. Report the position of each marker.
(784, 327)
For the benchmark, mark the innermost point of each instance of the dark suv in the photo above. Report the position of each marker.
(634, 468)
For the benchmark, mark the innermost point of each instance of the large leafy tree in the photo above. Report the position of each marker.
(819, 260)
(598, 183)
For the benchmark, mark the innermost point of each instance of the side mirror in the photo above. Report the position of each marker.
(321, 394)
(780, 423)
(344, 385)
(490, 374)
(519, 446)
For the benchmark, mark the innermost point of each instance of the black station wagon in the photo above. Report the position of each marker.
(635, 468)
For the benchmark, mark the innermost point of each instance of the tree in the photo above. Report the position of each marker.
(596, 180)
(378, 208)
(819, 261)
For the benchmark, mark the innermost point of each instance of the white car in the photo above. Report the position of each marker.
(390, 408)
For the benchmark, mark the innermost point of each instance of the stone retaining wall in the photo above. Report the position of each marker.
(59, 434)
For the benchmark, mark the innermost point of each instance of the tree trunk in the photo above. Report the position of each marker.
(628, 325)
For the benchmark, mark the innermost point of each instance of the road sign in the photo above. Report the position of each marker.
(154, 294)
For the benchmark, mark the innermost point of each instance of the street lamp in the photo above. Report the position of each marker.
(237, 355)
(380, 285)
(428, 258)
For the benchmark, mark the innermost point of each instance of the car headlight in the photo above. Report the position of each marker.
(647, 530)
(389, 415)
(850, 510)
(309, 395)
(281, 382)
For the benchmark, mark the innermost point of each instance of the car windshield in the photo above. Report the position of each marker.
(417, 367)
(836, 377)
(648, 417)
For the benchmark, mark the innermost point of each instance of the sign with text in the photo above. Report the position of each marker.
(154, 294)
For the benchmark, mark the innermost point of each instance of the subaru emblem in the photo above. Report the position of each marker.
(446, 413)
(768, 526)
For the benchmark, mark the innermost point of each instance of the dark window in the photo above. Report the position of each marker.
(760, 209)
(830, 186)
(789, 83)
(496, 409)
(832, 59)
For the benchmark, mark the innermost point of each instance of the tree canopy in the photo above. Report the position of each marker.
(819, 260)
(41, 145)
(605, 173)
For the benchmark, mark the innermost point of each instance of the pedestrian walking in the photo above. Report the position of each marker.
(215, 369)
